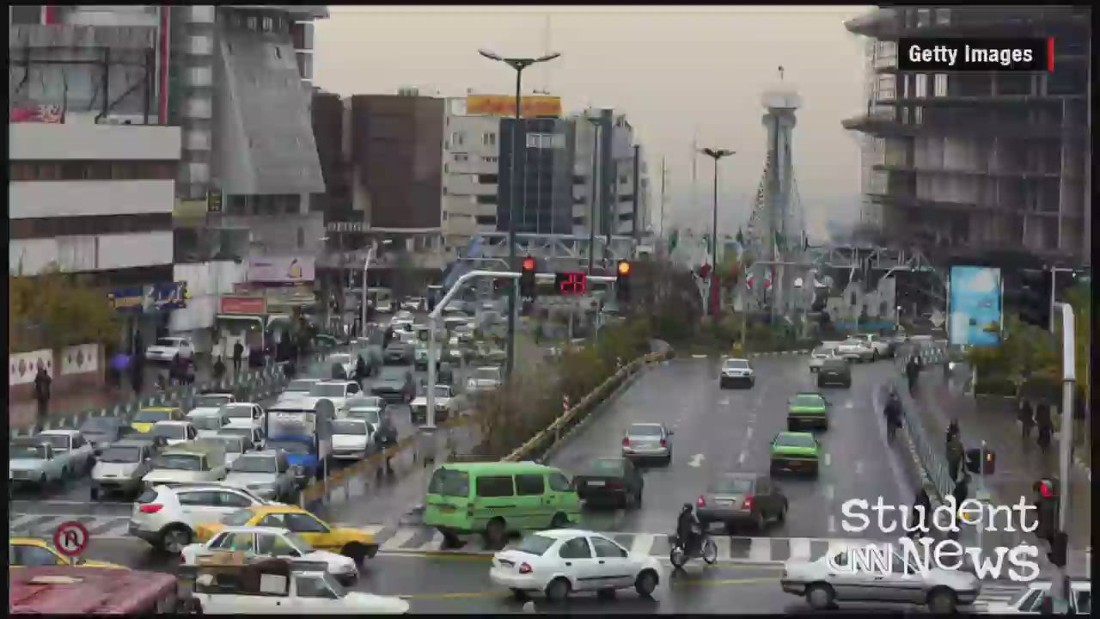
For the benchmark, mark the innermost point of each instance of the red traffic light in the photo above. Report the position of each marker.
(528, 264)
(1046, 490)
(624, 267)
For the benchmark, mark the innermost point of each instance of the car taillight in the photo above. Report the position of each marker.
(525, 568)
(183, 559)
(748, 502)
(664, 442)
(151, 508)
(626, 442)
(700, 502)
(614, 485)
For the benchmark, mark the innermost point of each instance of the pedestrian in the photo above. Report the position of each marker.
(954, 455)
(218, 369)
(42, 383)
(922, 514)
(137, 375)
(238, 354)
(952, 429)
(1027, 420)
(912, 370)
(961, 491)
(360, 370)
(175, 375)
(1045, 424)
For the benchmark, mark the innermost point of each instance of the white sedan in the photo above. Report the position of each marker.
(819, 355)
(1036, 595)
(165, 348)
(271, 541)
(562, 561)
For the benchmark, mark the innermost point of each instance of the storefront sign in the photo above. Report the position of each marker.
(243, 305)
(129, 300)
(149, 298)
(281, 269)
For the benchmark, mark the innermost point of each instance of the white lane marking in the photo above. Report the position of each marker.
(696, 461)
(859, 467)
(698, 356)
(373, 529)
(828, 459)
(832, 523)
(748, 434)
(642, 543)
(741, 458)
(760, 549)
(828, 490)
(849, 404)
(725, 402)
(18, 521)
(800, 548)
(399, 539)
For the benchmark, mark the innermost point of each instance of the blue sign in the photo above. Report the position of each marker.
(150, 298)
(974, 305)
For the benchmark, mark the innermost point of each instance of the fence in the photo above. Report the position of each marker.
(929, 447)
(250, 385)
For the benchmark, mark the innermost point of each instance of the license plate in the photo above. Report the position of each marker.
(598, 484)
(724, 503)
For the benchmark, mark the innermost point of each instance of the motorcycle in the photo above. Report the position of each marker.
(707, 550)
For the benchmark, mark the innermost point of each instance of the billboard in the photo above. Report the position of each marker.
(505, 105)
(243, 305)
(974, 306)
(281, 269)
(150, 298)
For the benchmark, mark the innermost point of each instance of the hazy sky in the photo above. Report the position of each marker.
(672, 70)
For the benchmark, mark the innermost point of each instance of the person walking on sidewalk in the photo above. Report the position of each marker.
(42, 382)
(218, 370)
(922, 514)
(1027, 420)
(960, 493)
(954, 454)
(238, 355)
(912, 370)
(1045, 425)
(137, 374)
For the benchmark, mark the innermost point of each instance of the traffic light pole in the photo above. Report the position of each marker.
(1060, 587)
(436, 313)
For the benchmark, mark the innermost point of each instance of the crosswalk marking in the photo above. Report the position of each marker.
(799, 549)
(760, 549)
(19, 521)
(398, 539)
(642, 543)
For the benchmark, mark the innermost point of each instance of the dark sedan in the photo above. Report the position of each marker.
(398, 352)
(102, 431)
(742, 499)
(835, 372)
(614, 481)
(395, 386)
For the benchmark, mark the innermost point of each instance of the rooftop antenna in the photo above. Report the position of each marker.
(546, 52)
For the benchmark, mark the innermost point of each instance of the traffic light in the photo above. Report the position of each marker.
(1058, 546)
(622, 281)
(1033, 297)
(1046, 507)
(979, 463)
(527, 278)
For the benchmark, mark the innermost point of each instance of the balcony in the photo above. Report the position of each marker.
(90, 142)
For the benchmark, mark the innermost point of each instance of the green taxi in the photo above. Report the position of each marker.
(808, 410)
(797, 452)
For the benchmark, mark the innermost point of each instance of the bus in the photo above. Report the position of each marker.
(73, 590)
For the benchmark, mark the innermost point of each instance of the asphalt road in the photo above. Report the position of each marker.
(719, 431)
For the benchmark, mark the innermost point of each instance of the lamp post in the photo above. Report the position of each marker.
(519, 64)
(363, 300)
(595, 190)
(715, 154)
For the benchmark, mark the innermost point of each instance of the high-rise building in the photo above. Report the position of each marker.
(538, 177)
(622, 207)
(974, 162)
(471, 169)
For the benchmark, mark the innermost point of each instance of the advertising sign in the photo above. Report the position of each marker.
(974, 306)
(149, 298)
(281, 270)
(243, 305)
(47, 114)
(505, 105)
(129, 300)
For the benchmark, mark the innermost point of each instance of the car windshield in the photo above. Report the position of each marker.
(853, 342)
(237, 411)
(396, 375)
(731, 485)
(607, 466)
(101, 425)
(27, 452)
(370, 415)
(292, 447)
(168, 342)
(795, 440)
(339, 359)
(449, 482)
(255, 464)
(149, 416)
(644, 430)
(243, 432)
(299, 543)
(736, 364)
(179, 462)
(170, 430)
(487, 374)
(207, 422)
(120, 455)
(835, 364)
(442, 391)
(807, 399)
(365, 401)
(237, 518)
(60, 442)
(232, 444)
(822, 352)
(349, 426)
(212, 401)
(327, 391)
(300, 385)
(535, 544)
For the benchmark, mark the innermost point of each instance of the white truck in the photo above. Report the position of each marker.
(487, 378)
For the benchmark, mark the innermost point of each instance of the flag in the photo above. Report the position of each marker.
(768, 278)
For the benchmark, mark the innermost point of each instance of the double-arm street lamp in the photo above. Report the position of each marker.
(716, 154)
(519, 64)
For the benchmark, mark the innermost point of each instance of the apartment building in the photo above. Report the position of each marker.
(965, 163)
(471, 174)
(622, 203)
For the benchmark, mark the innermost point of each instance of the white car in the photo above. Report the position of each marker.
(183, 465)
(402, 323)
(854, 349)
(370, 414)
(820, 354)
(879, 347)
(206, 403)
(350, 438)
(175, 432)
(412, 304)
(563, 561)
(71, 448)
(254, 439)
(447, 401)
(822, 586)
(345, 362)
(736, 371)
(485, 378)
(296, 390)
(274, 542)
(206, 424)
(166, 348)
(166, 517)
(1032, 600)
(336, 391)
(302, 593)
(244, 415)
(234, 446)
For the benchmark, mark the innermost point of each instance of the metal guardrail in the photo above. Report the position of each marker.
(255, 384)
(929, 449)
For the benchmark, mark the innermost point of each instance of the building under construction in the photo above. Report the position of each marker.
(967, 164)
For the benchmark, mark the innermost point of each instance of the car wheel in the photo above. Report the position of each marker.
(792, 426)
(782, 515)
(848, 385)
(93, 493)
(355, 552)
(820, 596)
(557, 590)
(646, 583)
(638, 498)
(773, 469)
(759, 521)
(450, 540)
(174, 538)
(820, 384)
(667, 459)
(495, 533)
(519, 594)
(559, 521)
(814, 471)
(941, 601)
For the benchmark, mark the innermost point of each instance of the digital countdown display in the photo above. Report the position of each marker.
(571, 283)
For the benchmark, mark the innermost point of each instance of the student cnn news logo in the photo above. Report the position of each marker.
(947, 55)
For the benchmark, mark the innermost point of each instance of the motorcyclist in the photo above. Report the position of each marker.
(360, 370)
(686, 525)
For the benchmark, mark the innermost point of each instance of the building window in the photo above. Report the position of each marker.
(457, 138)
(268, 24)
(49, 227)
(252, 23)
(488, 179)
(578, 221)
(301, 238)
(489, 139)
(81, 170)
(486, 220)
(939, 85)
(487, 199)
(461, 157)
(924, 18)
(490, 159)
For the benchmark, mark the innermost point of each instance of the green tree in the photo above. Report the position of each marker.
(54, 310)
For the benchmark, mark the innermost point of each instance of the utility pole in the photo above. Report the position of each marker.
(1059, 587)
(664, 172)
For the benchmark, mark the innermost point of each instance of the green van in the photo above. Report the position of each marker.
(498, 498)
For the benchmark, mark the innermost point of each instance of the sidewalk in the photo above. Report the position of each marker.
(1019, 464)
(22, 413)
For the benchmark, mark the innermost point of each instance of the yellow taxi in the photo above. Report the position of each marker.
(33, 552)
(145, 418)
(353, 543)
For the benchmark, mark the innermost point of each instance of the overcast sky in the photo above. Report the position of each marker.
(671, 70)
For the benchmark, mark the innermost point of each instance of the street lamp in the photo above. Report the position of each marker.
(595, 190)
(363, 300)
(519, 64)
(715, 154)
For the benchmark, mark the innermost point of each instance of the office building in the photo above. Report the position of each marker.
(540, 179)
(966, 163)
(623, 203)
